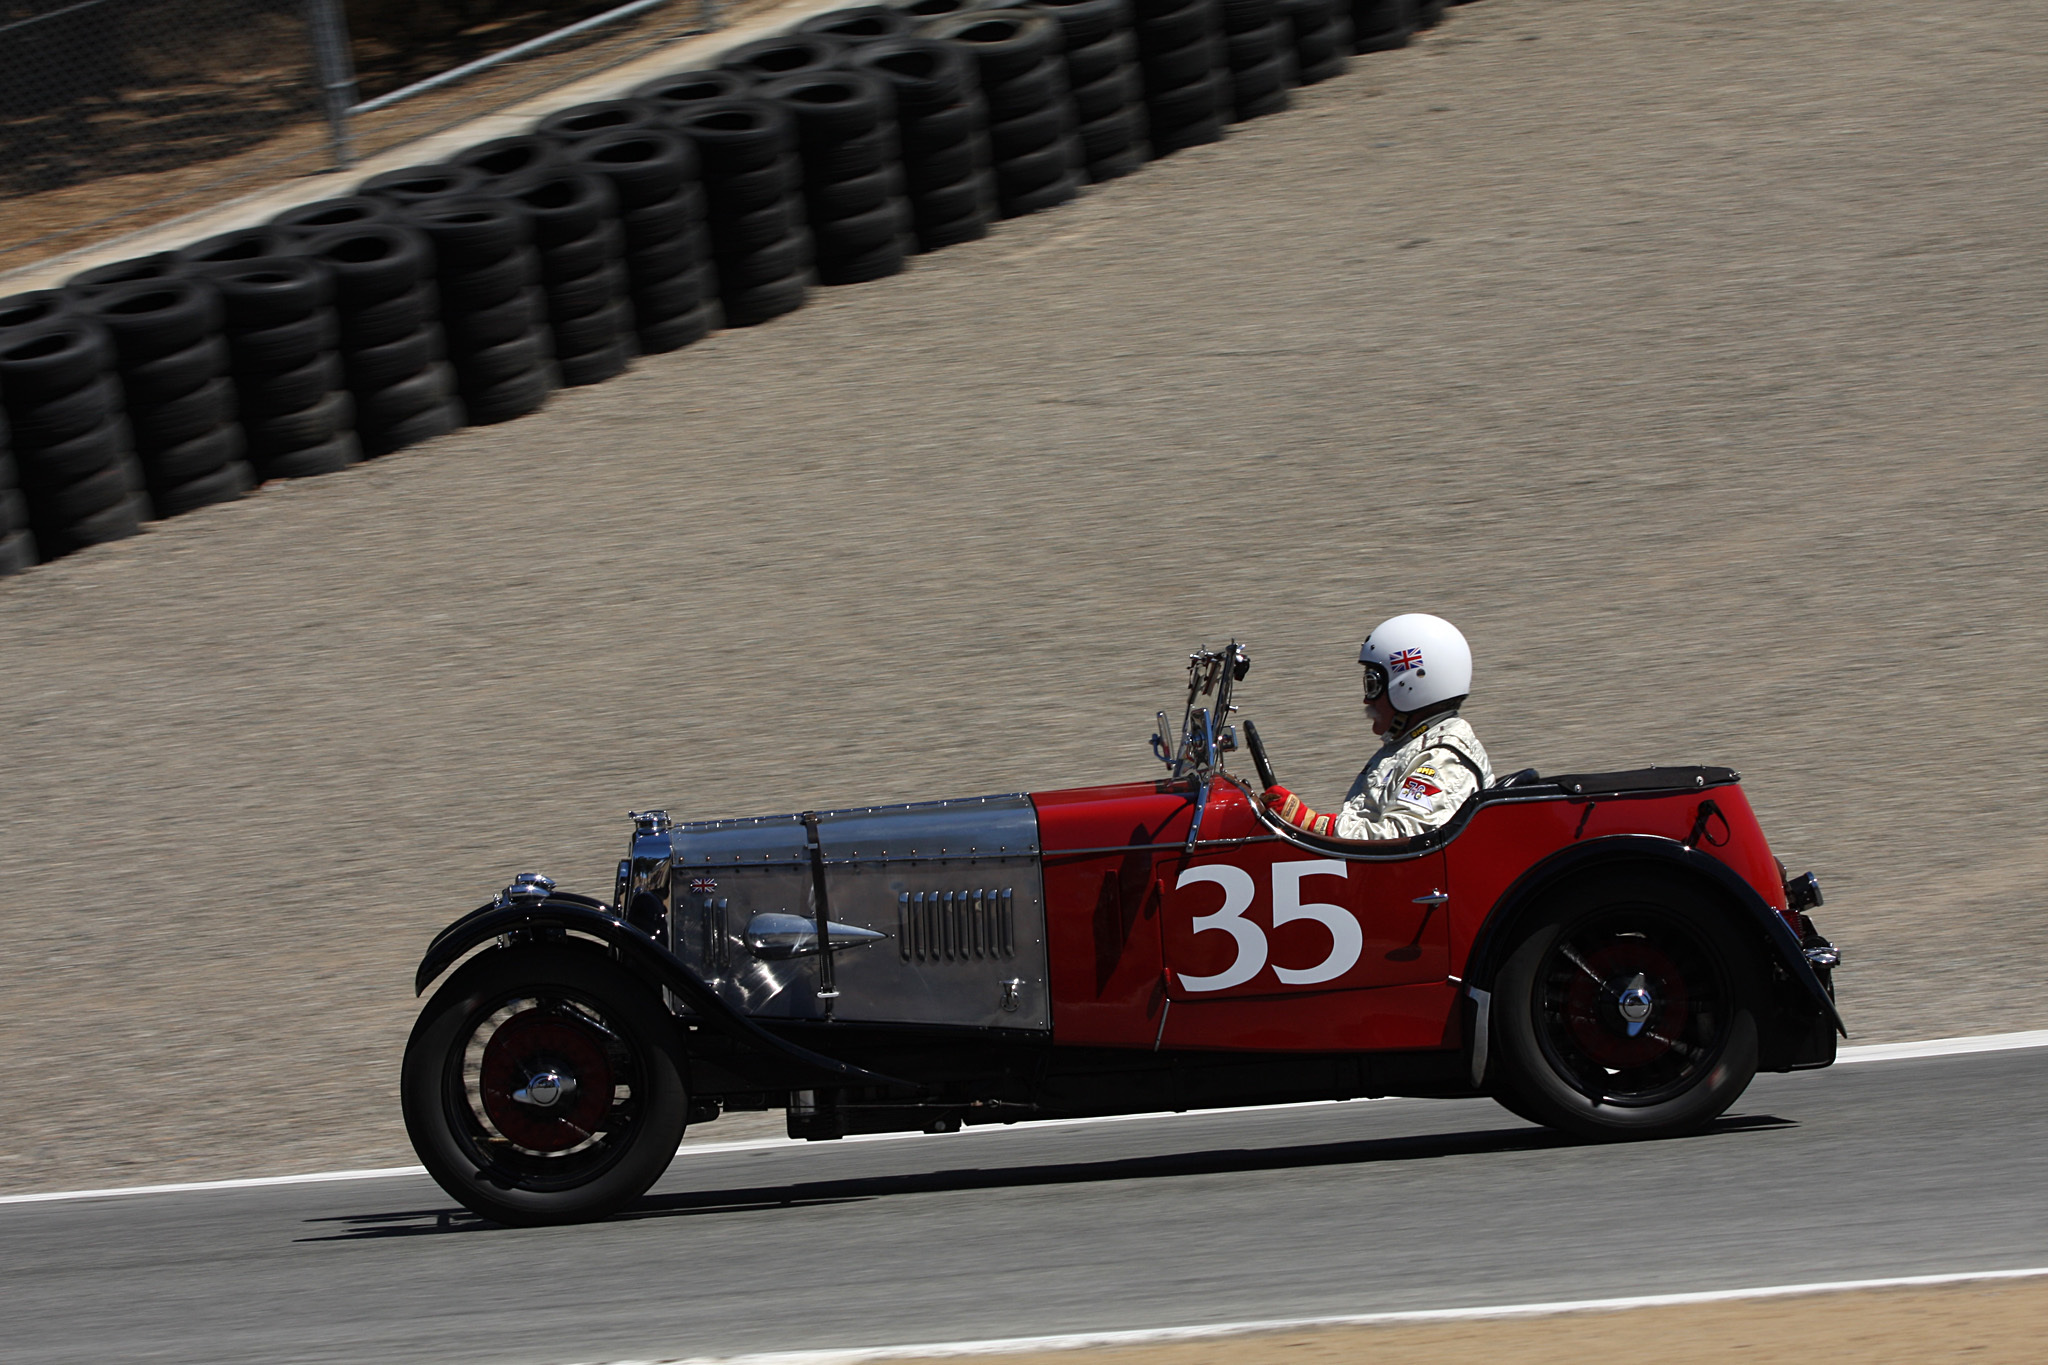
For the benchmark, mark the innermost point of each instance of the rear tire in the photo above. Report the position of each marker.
(613, 1110)
(1626, 1011)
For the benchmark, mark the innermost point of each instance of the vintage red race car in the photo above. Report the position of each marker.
(1613, 954)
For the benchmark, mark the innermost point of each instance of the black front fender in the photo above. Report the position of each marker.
(1496, 936)
(644, 955)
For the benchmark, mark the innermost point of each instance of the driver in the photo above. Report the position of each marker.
(1418, 670)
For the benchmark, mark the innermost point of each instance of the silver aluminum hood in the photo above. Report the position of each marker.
(953, 886)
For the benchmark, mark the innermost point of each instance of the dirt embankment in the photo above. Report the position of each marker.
(1998, 1323)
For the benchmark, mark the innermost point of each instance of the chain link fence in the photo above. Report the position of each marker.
(118, 113)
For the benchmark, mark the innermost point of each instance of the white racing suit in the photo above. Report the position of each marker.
(1416, 782)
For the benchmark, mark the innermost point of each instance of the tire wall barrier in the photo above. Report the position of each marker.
(387, 314)
(576, 235)
(70, 462)
(1382, 25)
(1321, 33)
(1260, 46)
(852, 172)
(1105, 84)
(297, 415)
(171, 353)
(17, 542)
(942, 130)
(1019, 55)
(493, 310)
(753, 190)
(665, 243)
(464, 292)
(1184, 62)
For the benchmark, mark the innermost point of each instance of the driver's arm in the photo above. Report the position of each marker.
(1429, 793)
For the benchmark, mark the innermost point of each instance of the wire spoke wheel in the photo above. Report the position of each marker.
(1632, 1007)
(542, 1085)
(549, 1090)
(1625, 1009)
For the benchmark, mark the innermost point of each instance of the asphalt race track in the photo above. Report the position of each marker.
(1884, 1168)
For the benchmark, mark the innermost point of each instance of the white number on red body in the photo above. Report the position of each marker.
(1347, 940)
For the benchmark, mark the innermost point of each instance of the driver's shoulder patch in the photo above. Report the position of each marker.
(1420, 789)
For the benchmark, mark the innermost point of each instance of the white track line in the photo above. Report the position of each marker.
(250, 1183)
(1876, 1052)
(1074, 1341)
(1943, 1047)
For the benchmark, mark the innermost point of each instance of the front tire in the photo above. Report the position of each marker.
(543, 1085)
(1626, 1011)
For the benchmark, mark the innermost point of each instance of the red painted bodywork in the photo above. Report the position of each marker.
(1130, 967)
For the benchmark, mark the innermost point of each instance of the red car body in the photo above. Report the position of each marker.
(1125, 942)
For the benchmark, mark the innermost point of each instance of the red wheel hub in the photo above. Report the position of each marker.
(1594, 1008)
(547, 1081)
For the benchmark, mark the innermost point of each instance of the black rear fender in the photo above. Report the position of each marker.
(1799, 1021)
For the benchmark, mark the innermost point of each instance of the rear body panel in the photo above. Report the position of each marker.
(1249, 941)
(1505, 839)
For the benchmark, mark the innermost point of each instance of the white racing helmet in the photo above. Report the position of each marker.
(1421, 660)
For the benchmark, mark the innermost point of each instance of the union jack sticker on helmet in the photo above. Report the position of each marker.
(1403, 660)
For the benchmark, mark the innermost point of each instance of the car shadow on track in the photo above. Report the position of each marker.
(860, 1189)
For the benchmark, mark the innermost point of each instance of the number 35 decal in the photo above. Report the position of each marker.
(1347, 940)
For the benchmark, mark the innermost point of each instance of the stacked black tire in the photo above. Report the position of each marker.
(655, 181)
(309, 220)
(297, 419)
(409, 185)
(861, 24)
(1104, 82)
(23, 311)
(1382, 25)
(99, 279)
(229, 249)
(579, 122)
(792, 54)
(577, 236)
(1017, 54)
(939, 9)
(1187, 81)
(173, 361)
(505, 159)
(1261, 48)
(17, 542)
(62, 397)
(1321, 32)
(278, 320)
(391, 346)
(493, 312)
(680, 91)
(852, 172)
(942, 127)
(753, 188)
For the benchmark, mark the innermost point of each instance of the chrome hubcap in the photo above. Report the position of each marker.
(545, 1089)
(1635, 1004)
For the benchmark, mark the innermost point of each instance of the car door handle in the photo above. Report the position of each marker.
(1433, 898)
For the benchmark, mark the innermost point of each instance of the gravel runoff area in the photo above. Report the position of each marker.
(1997, 1323)
(1690, 356)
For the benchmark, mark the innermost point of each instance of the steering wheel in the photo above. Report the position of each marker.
(1259, 759)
